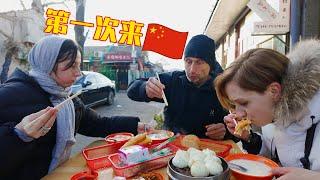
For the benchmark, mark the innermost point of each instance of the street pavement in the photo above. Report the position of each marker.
(122, 106)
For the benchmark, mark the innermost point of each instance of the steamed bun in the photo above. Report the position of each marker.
(196, 154)
(181, 159)
(193, 151)
(208, 152)
(213, 167)
(199, 169)
(191, 161)
(213, 158)
(201, 163)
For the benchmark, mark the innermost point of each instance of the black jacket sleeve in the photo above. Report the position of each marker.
(228, 135)
(254, 146)
(13, 151)
(92, 124)
(137, 88)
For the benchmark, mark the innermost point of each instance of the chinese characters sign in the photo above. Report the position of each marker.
(273, 22)
(159, 38)
(117, 57)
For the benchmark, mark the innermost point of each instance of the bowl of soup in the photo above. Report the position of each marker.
(119, 137)
(158, 136)
(256, 167)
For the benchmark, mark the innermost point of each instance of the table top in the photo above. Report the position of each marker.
(77, 164)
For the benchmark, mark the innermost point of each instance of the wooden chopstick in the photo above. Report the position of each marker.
(163, 95)
(157, 148)
(234, 120)
(69, 98)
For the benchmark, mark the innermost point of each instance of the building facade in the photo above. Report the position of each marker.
(123, 64)
(233, 28)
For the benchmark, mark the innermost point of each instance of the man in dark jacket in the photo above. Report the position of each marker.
(20, 96)
(193, 107)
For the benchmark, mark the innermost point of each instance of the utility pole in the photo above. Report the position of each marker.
(295, 22)
(79, 30)
(310, 19)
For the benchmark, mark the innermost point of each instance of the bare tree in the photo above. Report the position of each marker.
(18, 31)
(6, 64)
(22, 4)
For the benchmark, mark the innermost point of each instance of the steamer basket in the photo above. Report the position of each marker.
(175, 175)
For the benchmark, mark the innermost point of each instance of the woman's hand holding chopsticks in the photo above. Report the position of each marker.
(38, 124)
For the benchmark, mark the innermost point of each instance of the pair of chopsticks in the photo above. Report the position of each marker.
(59, 106)
(163, 95)
(160, 146)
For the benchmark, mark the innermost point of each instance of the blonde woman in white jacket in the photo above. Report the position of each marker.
(281, 94)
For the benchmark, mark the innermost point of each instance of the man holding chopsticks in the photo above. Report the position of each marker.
(192, 106)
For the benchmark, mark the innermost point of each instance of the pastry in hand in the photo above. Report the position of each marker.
(242, 125)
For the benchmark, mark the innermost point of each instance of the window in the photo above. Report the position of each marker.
(91, 78)
(102, 78)
(79, 80)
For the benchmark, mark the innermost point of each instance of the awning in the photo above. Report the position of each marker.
(224, 15)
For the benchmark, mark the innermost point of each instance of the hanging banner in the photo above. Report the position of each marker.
(274, 22)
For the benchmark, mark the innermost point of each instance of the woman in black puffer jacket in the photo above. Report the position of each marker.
(55, 65)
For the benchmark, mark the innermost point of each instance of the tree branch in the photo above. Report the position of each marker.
(50, 3)
(22, 4)
(3, 33)
(85, 37)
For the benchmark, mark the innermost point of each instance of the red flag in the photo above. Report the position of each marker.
(165, 41)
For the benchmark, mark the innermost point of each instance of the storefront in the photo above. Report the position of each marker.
(233, 31)
(119, 63)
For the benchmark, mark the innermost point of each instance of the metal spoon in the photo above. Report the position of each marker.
(236, 166)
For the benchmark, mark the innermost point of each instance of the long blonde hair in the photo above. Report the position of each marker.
(254, 70)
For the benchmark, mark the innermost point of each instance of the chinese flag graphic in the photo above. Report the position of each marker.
(165, 41)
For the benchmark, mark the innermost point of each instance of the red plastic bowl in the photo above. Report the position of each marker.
(155, 140)
(244, 176)
(111, 138)
(87, 175)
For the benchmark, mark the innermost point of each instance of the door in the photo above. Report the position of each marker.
(122, 75)
(103, 86)
(90, 92)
